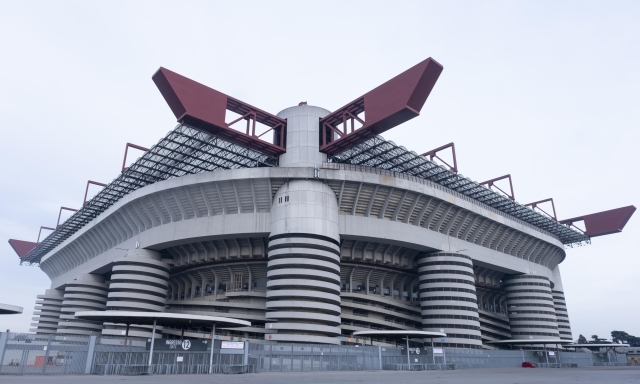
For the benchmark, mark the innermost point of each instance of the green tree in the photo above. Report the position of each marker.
(582, 340)
(620, 337)
(596, 339)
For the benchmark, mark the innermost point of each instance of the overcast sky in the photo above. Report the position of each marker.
(548, 91)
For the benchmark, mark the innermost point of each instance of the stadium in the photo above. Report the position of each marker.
(312, 227)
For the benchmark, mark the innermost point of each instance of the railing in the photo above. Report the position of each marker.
(171, 369)
(610, 364)
(39, 354)
(419, 367)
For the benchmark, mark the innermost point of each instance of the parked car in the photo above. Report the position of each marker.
(526, 364)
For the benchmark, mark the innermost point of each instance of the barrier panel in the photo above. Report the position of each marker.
(24, 354)
(35, 354)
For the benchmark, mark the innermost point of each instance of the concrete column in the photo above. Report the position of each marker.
(90, 353)
(303, 287)
(303, 136)
(84, 293)
(530, 307)
(3, 344)
(560, 306)
(47, 311)
(139, 282)
(448, 299)
(303, 296)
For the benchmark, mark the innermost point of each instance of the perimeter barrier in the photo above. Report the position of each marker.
(47, 354)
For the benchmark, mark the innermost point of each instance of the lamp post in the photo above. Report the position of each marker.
(213, 332)
(153, 339)
(408, 358)
(433, 355)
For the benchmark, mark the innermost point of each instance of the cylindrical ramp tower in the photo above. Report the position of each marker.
(47, 311)
(530, 305)
(303, 272)
(139, 282)
(448, 298)
(562, 316)
(303, 136)
(86, 293)
(560, 304)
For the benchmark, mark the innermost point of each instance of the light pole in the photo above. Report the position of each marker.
(408, 359)
(213, 332)
(433, 355)
(153, 339)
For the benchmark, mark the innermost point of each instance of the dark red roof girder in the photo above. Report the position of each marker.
(205, 108)
(22, 247)
(389, 105)
(604, 223)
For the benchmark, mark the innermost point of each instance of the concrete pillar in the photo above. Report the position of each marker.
(47, 311)
(303, 136)
(90, 353)
(303, 287)
(530, 307)
(85, 293)
(448, 299)
(139, 282)
(560, 305)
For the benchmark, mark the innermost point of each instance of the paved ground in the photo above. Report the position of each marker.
(608, 375)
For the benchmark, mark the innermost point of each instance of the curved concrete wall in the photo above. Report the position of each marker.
(86, 293)
(448, 298)
(303, 142)
(530, 307)
(303, 288)
(234, 202)
(47, 311)
(138, 282)
(562, 316)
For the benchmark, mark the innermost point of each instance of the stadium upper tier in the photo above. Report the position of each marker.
(186, 150)
(183, 151)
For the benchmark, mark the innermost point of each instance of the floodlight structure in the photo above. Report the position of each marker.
(311, 226)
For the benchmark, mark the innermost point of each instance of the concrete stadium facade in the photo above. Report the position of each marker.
(310, 251)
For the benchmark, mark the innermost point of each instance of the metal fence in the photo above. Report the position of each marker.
(292, 357)
(23, 354)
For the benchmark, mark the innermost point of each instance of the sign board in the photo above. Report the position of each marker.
(178, 345)
(179, 359)
(551, 353)
(442, 339)
(232, 345)
(438, 351)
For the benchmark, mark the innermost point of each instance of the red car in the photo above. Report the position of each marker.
(527, 364)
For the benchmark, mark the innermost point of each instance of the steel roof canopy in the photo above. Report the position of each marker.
(183, 151)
